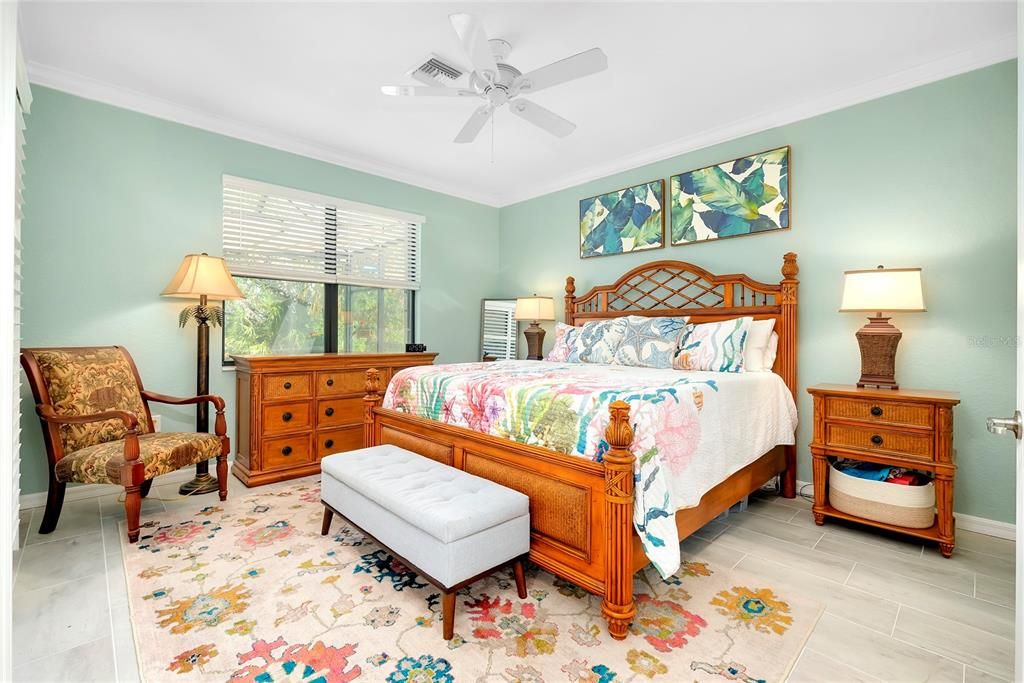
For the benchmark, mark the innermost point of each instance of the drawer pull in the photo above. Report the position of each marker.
(876, 411)
(328, 443)
(287, 417)
(287, 450)
(330, 382)
(876, 439)
(287, 385)
(329, 412)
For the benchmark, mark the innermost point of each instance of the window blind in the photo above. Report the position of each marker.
(283, 233)
(500, 331)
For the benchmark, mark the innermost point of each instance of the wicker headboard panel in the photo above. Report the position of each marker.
(680, 288)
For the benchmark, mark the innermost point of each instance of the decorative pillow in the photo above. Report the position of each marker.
(755, 352)
(564, 336)
(717, 347)
(597, 341)
(650, 342)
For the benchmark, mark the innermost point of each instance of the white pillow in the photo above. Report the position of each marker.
(758, 352)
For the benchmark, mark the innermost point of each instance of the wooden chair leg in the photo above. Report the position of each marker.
(54, 503)
(132, 507)
(222, 476)
(517, 567)
(448, 614)
(146, 486)
(325, 528)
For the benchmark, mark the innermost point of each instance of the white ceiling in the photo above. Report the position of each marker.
(306, 76)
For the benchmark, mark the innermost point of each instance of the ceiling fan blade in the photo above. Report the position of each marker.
(425, 91)
(475, 124)
(542, 118)
(585, 63)
(474, 42)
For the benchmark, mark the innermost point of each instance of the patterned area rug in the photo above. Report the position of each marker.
(248, 590)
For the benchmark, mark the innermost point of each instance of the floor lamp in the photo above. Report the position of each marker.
(206, 278)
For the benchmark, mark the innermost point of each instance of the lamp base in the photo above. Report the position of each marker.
(203, 482)
(534, 341)
(878, 341)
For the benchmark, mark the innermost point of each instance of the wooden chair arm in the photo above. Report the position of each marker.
(48, 414)
(217, 401)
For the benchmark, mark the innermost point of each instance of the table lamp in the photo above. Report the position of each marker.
(875, 291)
(206, 278)
(534, 308)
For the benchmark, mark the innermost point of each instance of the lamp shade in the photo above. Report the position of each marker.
(535, 308)
(203, 275)
(882, 289)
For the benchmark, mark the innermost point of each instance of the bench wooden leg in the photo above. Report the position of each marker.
(328, 516)
(448, 614)
(517, 566)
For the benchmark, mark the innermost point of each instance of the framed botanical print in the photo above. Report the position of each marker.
(631, 219)
(739, 197)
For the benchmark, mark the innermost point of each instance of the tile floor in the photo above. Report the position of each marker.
(894, 610)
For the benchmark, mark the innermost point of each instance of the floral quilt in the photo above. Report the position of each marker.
(687, 437)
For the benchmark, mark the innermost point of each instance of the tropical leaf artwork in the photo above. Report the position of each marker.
(628, 220)
(738, 197)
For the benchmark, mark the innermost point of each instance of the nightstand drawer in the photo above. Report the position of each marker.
(876, 440)
(879, 411)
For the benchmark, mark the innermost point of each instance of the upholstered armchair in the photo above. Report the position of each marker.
(99, 430)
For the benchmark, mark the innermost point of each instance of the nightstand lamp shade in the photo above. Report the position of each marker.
(534, 308)
(877, 291)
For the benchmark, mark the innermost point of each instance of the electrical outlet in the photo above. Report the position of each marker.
(156, 423)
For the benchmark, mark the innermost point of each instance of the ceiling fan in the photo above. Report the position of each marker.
(496, 82)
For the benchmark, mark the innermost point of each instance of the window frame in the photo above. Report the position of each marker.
(330, 320)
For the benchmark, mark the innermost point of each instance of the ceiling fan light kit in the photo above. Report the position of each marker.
(496, 82)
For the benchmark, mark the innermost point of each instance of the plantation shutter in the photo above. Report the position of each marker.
(22, 104)
(287, 234)
(499, 330)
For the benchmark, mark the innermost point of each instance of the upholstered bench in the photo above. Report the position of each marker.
(449, 526)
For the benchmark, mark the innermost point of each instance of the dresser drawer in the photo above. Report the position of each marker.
(287, 451)
(880, 412)
(293, 385)
(339, 411)
(338, 440)
(346, 382)
(880, 440)
(287, 417)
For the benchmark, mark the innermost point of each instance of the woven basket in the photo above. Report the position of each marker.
(907, 506)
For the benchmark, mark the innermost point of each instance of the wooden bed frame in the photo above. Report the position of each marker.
(582, 511)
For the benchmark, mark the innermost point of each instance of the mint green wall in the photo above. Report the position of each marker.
(114, 199)
(921, 178)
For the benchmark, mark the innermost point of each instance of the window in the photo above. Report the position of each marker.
(319, 274)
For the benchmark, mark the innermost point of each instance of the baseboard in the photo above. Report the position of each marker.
(85, 491)
(981, 525)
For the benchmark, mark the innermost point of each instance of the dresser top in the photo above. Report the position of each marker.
(313, 361)
(950, 397)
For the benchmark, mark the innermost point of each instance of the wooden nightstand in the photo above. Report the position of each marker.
(901, 428)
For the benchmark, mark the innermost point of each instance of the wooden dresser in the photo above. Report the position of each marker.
(902, 428)
(294, 410)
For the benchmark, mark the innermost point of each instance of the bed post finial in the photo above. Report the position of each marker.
(618, 607)
(789, 266)
(787, 352)
(570, 299)
(371, 400)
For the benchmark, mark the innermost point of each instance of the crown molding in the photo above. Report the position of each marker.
(126, 98)
(992, 52)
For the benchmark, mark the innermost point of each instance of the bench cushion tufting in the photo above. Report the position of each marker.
(445, 502)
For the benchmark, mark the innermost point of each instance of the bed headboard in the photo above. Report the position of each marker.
(680, 288)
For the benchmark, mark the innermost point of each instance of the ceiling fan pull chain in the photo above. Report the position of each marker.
(493, 117)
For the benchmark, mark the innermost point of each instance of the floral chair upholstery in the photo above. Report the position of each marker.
(99, 430)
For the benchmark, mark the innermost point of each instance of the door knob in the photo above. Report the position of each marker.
(1001, 425)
